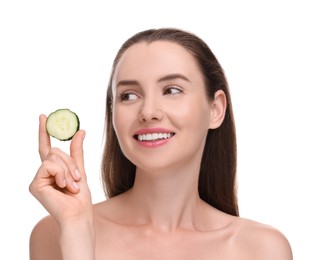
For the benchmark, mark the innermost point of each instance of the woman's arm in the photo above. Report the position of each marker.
(60, 185)
(77, 239)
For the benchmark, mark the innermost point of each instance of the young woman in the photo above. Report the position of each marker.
(168, 168)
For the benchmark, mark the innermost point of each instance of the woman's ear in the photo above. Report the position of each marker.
(218, 108)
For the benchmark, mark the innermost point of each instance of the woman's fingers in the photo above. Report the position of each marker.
(49, 174)
(77, 153)
(44, 138)
(56, 154)
(68, 167)
(56, 172)
(76, 148)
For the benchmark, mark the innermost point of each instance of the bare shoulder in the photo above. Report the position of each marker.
(260, 241)
(44, 243)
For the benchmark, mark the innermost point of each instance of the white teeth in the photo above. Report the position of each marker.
(154, 136)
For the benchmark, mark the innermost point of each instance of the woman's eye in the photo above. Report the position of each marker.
(172, 91)
(127, 96)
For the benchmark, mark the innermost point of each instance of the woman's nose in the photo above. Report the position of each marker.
(150, 111)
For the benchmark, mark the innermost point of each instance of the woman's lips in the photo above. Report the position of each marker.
(152, 137)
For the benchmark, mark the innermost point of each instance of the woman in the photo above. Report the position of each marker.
(168, 168)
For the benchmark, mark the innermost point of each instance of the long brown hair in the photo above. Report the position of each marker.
(217, 179)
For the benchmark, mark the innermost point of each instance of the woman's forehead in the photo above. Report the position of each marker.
(161, 57)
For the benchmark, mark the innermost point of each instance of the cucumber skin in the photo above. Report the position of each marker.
(78, 124)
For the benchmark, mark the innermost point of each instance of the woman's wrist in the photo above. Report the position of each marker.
(77, 239)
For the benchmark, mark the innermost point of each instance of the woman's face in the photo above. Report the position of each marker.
(161, 113)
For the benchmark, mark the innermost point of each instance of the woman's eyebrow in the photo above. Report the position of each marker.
(127, 83)
(173, 76)
(165, 78)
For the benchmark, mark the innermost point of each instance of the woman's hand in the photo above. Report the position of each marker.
(60, 183)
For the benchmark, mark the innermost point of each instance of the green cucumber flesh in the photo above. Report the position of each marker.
(62, 124)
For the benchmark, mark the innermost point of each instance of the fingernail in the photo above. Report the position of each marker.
(77, 174)
(75, 184)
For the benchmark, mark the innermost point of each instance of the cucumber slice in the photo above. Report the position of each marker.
(62, 124)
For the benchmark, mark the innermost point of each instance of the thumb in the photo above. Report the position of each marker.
(77, 152)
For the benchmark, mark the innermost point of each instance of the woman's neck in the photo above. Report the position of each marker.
(166, 200)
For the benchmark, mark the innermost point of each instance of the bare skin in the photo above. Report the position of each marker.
(118, 237)
(162, 215)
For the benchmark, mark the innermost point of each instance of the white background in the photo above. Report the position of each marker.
(58, 54)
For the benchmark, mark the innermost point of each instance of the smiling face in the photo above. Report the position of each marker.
(161, 113)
